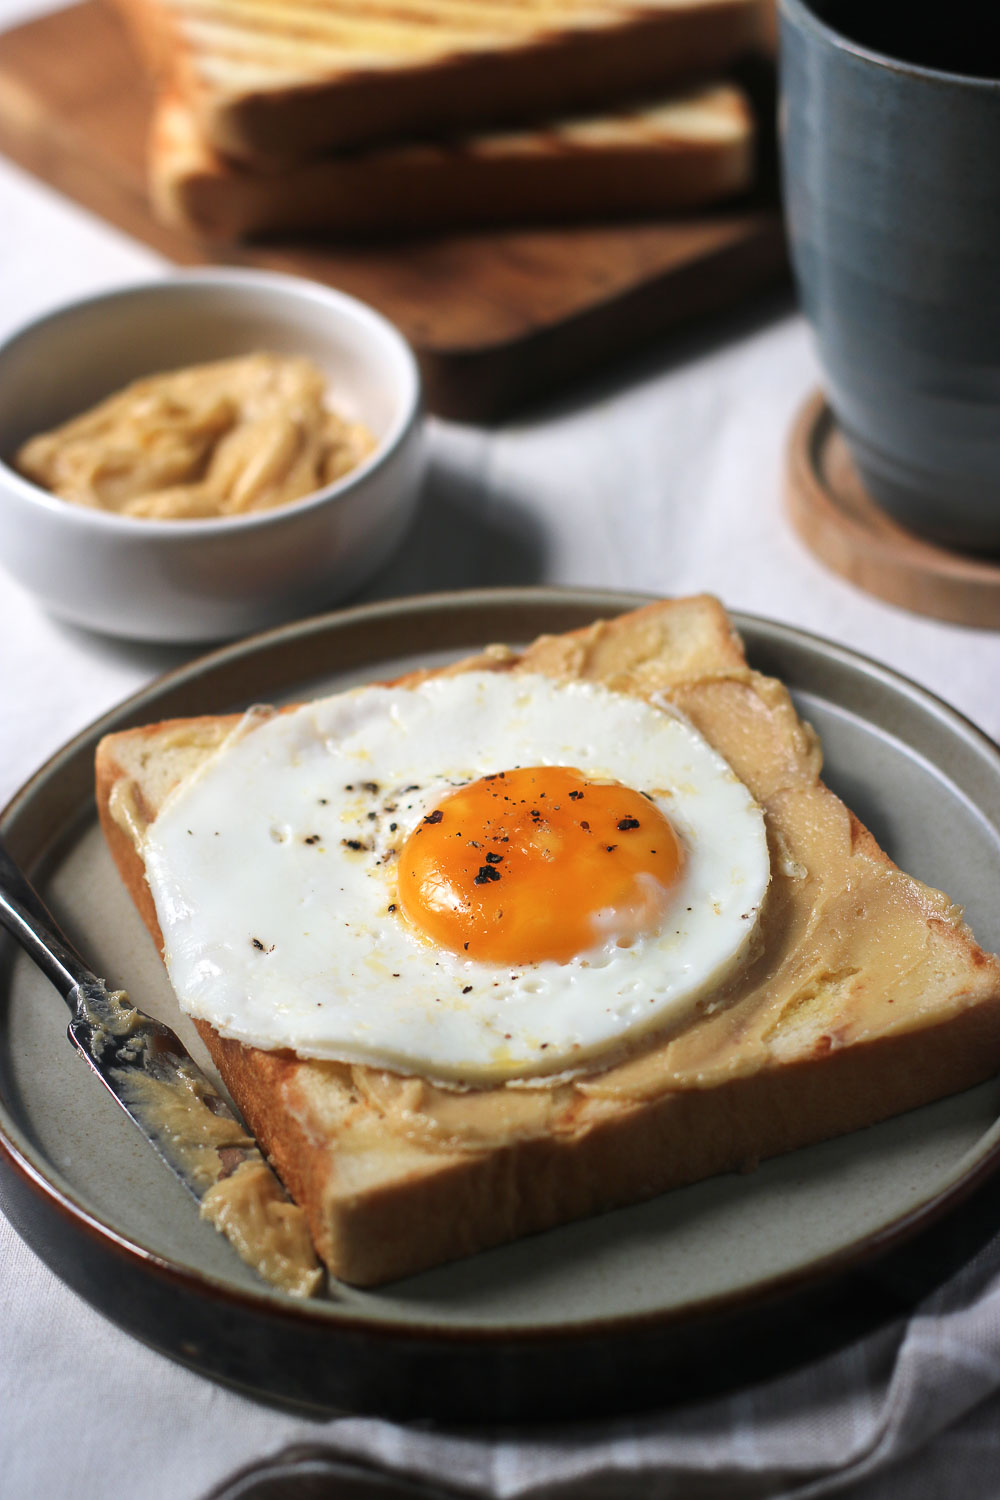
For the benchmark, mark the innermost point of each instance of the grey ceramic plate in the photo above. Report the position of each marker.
(541, 1326)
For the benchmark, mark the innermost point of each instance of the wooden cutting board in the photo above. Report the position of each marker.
(497, 319)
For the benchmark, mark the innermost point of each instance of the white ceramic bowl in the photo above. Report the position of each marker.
(206, 579)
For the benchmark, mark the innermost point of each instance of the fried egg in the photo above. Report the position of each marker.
(483, 878)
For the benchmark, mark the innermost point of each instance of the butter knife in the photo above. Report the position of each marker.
(148, 1071)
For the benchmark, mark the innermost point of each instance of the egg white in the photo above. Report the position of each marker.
(272, 871)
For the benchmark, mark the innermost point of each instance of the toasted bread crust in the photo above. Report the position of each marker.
(383, 1204)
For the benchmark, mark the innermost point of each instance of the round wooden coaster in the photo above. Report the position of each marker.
(840, 522)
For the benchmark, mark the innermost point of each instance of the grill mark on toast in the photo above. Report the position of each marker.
(316, 34)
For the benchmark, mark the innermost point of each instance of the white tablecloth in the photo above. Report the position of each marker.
(664, 475)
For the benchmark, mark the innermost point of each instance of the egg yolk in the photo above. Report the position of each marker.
(538, 863)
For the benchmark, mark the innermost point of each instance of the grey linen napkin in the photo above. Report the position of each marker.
(909, 1410)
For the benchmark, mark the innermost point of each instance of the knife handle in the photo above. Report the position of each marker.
(27, 918)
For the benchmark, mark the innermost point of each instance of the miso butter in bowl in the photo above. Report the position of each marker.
(165, 560)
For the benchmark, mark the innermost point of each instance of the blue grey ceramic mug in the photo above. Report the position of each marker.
(892, 192)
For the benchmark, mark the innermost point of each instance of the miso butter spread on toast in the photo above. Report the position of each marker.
(860, 994)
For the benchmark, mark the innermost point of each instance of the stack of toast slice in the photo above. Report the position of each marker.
(361, 117)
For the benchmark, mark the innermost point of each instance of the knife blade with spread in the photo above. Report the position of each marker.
(148, 1071)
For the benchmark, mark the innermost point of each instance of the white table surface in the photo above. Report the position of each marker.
(665, 475)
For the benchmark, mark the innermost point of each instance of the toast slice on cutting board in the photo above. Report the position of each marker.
(268, 79)
(688, 150)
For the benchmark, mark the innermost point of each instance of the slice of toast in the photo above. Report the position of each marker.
(866, 995)
(686, 151)
(273, 79)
